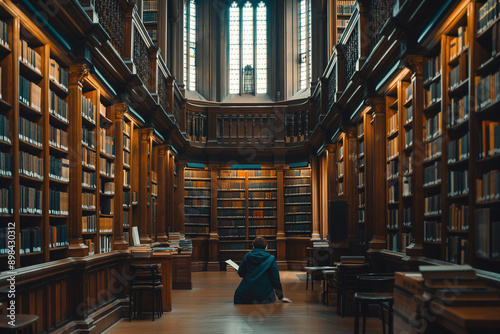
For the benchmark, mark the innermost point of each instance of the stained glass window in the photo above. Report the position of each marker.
(248, 48)
(190, 45)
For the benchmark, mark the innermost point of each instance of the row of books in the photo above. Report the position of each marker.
(459, 149)
(58, 236)
(433, 149)
(432, 174)
(30, 165)
(30, 200)
(89, 224)
(342, 23)
(457, 182)
(261, 204)
(205, 193)
(107, 143)
(4, 129)
(407, 185)
(298, 209)
(197, 211)
(4, 33)
(88, 157)
(126, 158)
(154, 189)
(392, 124)
(126, 199)
(458, 111)
(262, 185)
(88, 201)
(392, 242)
(392, 218)
(458, 217)
(340, 168)
(196, 174)
(341, 153)
(296, 182)
(230, 185)
(361, 199)
(460, 43)
(105, 243)
(196, 230)
(408, 94)
(405, 241)
(262, 195)
(432, 205)
(487, 14)
(58, 107)
(88, 137)
(30, 93)
(409, 138)
(433, 126)
(408, 164)
(127, 128)
(361, 215)
(409, 114)
(232, 223)
(30, 57)
(432, 94)
(107, 167)
(346, 7)
(102, 109)
(298, 190)
(233, 173)
(457, 249)
(392, 148)
(495, 40)
(432, 231)
(231, 233)
(432, 68)
(407, 217)
(126, 142)
(340, 188)
(108, 188)
(393, 193)
(229, 204)
(88, 180)
(30, 132)
(126, 178)
(489, 139)
(105, 224)
(5, 164)
(88, 109)
(488, 233)
(262, 213)
(392, 169)
(6, 201)
(306, 199)
(31, 240)
(488, 187)
(58, 203)
(107, 205)
(230, 213)
(361, 179)
(196, 184)
(306, 172)
(487, 90)
(304, 227)
(126, 219)
(204, 202)
(58, 138)
(58, 74)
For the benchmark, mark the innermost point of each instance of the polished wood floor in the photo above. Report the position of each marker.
(209, 308)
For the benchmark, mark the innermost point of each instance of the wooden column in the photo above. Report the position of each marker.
(213, 238)
(144, 191)
(315, 235)
(280, 207)
(77, 74)
(161, 222)
(323, 194)
(179, 199)
(350, 181)
(332, 26)
(170, 192)
(119, 111)
(416, 64)
(379, 172)
(370, 176)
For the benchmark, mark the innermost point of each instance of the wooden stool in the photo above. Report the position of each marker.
(370, 298)
(23, 324)
(314, 270)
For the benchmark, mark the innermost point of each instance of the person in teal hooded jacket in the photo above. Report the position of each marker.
(261, 278)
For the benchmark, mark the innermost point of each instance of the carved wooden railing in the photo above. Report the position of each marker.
(250, 127)
(297, 125)
(111, 14)
(350, 41)
(378, 13)
(196, 126)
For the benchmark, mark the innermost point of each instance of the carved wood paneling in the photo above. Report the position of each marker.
(257, 128)
(379, 12)
(177, 112)
(351, 55)
(141, 58)
(163, 92)
(297, 126)
(112, 18)
(332, 87)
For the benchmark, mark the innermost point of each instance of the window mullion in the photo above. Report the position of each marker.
(255, 49)
(241, 51)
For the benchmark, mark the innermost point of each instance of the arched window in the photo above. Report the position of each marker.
(190, 45)
(304, 20)
(248, 48)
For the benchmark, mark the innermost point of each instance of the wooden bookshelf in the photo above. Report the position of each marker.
(361, 184)
(298, 205)
(197, 202)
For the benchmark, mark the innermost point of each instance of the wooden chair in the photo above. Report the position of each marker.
(145, 277)
(374, 289)
(346, 282)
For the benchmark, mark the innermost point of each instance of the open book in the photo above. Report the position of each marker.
(232, 264)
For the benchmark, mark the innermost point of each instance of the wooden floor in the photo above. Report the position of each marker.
(209, 308)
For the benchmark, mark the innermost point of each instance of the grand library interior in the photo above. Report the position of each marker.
(145, 143)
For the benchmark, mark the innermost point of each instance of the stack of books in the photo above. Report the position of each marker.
(141, 251)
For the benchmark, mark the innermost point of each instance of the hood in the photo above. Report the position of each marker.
(257, 256)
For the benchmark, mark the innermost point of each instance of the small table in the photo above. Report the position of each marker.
(313, 270)
(22, 321)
